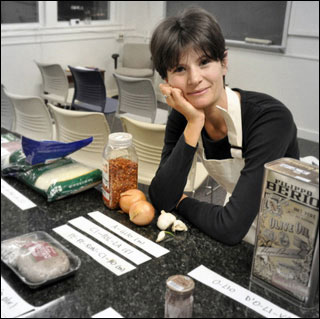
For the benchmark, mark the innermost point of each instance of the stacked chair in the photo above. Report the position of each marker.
(136, 61)
(90, 92)
(32, 117)
(76, 125)
(148, 139)
(7, 111)
(55, 84)
(137, 99)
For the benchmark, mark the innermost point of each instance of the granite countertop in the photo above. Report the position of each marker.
(140, 292)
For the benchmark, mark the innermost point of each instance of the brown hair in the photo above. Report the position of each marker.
(194, 28)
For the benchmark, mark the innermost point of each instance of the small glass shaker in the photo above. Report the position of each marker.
(179, 297)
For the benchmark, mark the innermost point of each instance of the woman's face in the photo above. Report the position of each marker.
(199, 78)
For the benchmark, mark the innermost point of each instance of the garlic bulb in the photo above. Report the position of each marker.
(161, 236)
(165, 220)
(179, 225)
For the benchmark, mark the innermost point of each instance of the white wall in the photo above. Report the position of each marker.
(292, 77)
(86, 46)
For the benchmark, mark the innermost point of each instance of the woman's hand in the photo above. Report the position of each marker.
(195, 117)
(176, 100)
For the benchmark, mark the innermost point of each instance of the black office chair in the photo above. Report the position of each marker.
(90, 92)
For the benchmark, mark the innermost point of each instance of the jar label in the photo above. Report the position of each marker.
(175, 286)
(105, 183)
(105, 194)
(40, 250)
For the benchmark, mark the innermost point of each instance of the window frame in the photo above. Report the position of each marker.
(48, 20)
(82, 22)
(26, 25)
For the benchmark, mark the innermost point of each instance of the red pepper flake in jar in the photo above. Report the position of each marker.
(120, 173)
(123, 175)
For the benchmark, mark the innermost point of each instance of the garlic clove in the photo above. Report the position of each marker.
(165, 220)
(161, 236)
(179, 225)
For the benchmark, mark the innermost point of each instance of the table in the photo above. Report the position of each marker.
(140, 292)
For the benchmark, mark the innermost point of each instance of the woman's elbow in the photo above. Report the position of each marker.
(232, 240)
(161, 197)
(230, 236)
(157, 198)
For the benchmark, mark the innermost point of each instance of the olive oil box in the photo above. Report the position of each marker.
(286, 253)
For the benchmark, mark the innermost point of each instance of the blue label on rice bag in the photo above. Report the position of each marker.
(38, 152)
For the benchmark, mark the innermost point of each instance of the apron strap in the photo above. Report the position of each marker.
(236, 152)
(232, 116)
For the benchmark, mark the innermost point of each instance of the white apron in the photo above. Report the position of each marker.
(226, 172)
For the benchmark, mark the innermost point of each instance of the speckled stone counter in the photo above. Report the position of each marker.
(140, 292)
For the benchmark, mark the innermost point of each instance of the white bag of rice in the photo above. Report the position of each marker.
(61, 178)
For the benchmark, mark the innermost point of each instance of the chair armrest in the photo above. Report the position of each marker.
(115, 57)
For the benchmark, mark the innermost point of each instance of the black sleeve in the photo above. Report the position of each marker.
(270, 137)
(167, 186)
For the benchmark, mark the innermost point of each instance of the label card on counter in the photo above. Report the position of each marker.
(110, 240)
(100, 254)
(130, 235)
(16, 197)
(4, 152)
(238, 293)
(107, 313)
(12, 305)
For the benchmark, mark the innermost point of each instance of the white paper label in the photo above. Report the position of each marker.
(4, 152)
(238, 293)
(130, 235)
(303, 179)
(107, 313)
(110, 240)
(16, 197)
(12, 305)
(38, 311)
(100, 254)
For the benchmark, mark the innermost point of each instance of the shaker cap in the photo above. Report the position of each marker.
(180, 284)
(120, 139)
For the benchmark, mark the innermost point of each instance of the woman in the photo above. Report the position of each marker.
(235, 132)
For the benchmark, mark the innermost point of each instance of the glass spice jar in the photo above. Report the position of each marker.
(179, 297)
(120, 168)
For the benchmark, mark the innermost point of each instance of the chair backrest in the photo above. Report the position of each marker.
(148, 139)
(136, 96)
(136, 56)
(90, 91)
(32, 116)
(75, 125)
(54, 79)
(7, 111)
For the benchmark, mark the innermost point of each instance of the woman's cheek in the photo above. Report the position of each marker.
(175, 81)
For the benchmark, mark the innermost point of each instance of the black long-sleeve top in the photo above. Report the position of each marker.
(268, 133)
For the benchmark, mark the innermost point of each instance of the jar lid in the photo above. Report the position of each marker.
(120, 139)
(180, 284)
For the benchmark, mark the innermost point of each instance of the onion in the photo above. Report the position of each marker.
(141, 213)
(129, 197)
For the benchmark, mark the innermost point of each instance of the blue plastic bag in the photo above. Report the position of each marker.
(38, 152)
